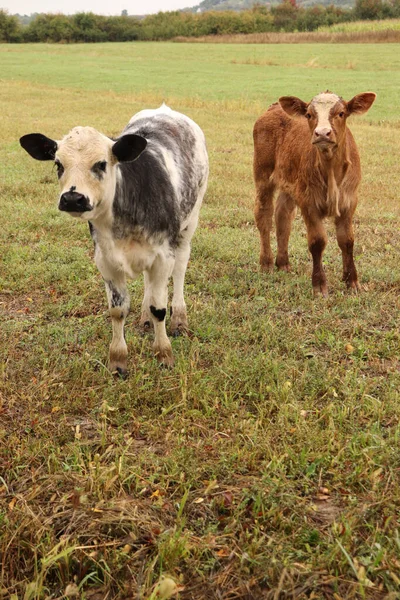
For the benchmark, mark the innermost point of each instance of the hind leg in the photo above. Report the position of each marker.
(263, 213)
(284, 214)
(179, 322)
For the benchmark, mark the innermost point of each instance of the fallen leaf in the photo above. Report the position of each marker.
(228, 499)
(165, 588)
(71, 591)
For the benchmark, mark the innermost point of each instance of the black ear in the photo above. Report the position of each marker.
(129, 147)
(39, 146)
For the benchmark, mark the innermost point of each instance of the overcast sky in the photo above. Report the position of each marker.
(104, 7)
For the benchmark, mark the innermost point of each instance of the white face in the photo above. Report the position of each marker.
(321, 109)
(86, 171)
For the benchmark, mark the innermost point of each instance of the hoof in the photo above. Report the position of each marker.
(145, 323)
(179, 322)
(118, 369)
(285, 268)
(320, 290)
(179, 330)
(267, 267)
(165, 357)
(120, 373)
(145, 326)
(353, 287)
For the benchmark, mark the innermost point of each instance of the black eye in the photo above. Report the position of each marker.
(60, 168)
(308, 116)
(99, 168)
(341, 115)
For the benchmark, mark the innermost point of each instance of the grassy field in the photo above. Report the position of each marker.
(365, 26)
(266, 464)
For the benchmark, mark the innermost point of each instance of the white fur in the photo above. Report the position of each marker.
(323, 104)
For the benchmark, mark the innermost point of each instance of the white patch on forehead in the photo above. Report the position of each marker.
(85, 142)
(323, 104)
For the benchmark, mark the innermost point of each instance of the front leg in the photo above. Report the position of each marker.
(317, 240)
(118, 303)
(145, 323)
(156, 297)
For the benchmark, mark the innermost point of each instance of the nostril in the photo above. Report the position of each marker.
(73, 202)
(322, 132)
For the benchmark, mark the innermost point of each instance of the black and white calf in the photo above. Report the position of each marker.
(141, 195)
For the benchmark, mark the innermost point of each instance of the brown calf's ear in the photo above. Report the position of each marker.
(293, 106)
(39, 146)
(361, 103)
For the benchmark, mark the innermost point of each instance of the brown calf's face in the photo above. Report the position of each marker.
(85, 160)
(326, 115)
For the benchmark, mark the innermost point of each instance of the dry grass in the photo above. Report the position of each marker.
(312, 37)
(265, 465)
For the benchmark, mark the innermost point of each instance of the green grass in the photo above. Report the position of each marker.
(358, 26)
(266, 463)
(210, 72)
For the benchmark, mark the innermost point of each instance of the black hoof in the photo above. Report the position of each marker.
(120, 373)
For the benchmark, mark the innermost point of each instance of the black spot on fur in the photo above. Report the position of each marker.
(116, 298)
(99, 169)
(159, 313)
(92, 233)
(145, 199)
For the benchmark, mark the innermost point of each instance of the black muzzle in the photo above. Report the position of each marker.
(74, 202)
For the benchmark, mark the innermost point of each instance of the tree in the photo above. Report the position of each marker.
(368, 9)
(285, 16)
(10, 30)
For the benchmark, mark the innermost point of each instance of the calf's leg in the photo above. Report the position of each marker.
(263, 213)
(179, 322)
(157, 296)
(145, 317)
(118, 303)
(285, 212)
(317, 240)
(345, 238)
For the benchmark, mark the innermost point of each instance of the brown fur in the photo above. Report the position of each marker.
(315, 165)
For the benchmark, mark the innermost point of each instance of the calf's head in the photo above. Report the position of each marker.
(86, 163)
(326, 115)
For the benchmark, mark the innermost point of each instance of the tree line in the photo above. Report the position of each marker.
(89, 27)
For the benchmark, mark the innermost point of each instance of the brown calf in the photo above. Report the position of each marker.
(313, 161)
